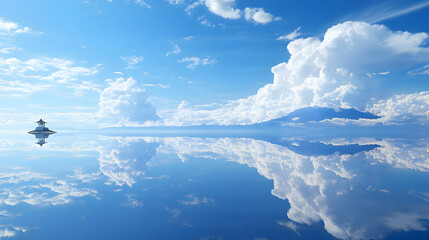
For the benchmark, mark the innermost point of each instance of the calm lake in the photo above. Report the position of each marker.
(198, 187)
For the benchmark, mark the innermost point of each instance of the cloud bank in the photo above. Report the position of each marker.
(328, 72)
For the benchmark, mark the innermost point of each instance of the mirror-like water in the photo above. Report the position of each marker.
(144, 187)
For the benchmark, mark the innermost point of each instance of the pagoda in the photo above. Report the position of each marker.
(41, 132)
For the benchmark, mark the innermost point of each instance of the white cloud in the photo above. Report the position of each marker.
(22, 87)
(10, 231)
(291, 36)
(291, 225)
(132, 61)
(420, 71)
(174, 211)
(175, 2)
(196, 61)
(176, 50)
(226, 9)
(142, 3)
(223, 8)
(155, 85)
(7, 50)
(188, 38)
(258, 15)
(10, 28)
(85, 86)
(203, 21)
(385, 11)
(194, 200)
(50, 69)
(124, 102)
(318, 73)
(195, 4)
(131, 201)
(404, 108)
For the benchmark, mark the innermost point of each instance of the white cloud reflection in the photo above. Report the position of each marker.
(346, 184)
(332, 188)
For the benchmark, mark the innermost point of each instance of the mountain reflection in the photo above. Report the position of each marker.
(359, 188)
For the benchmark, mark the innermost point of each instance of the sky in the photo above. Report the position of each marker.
(100, 63)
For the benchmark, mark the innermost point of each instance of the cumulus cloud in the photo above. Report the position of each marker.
(291, 36)
(404, 108)
(226, 9)
(10, 231)
(196, 61)
(326, 72)
(124, 102)
(9, 28)
(258, 15)
(223, 8)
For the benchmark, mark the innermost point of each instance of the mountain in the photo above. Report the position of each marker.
(317, 114)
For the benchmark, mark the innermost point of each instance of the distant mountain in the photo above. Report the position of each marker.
(308, 114)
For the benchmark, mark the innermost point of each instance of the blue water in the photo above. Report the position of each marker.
(263, 187)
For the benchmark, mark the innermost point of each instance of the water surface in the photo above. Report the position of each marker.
(145, 187)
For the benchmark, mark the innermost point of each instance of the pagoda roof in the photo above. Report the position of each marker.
(41, 121)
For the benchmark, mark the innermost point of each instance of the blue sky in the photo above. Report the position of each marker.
(212, 58)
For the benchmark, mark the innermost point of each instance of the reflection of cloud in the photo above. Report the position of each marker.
(17, 177)
(174, 211)
(330, 188)
(43, 193)
(124, 159)
(194, 200)
(10, 231)
(84, 177)
(131, 201)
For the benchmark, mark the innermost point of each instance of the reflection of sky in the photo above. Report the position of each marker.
(354, 188)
